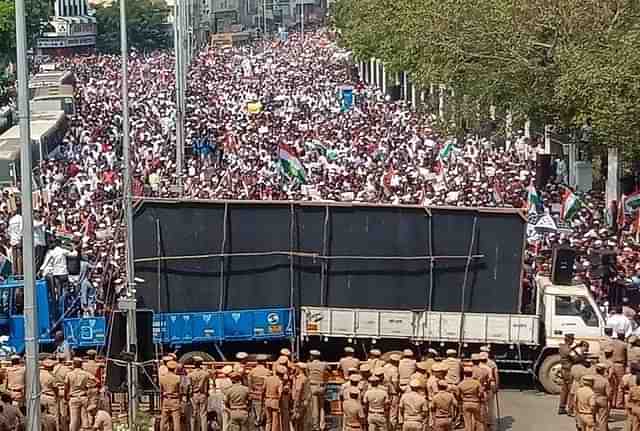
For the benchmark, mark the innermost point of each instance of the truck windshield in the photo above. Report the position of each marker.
(576, 306)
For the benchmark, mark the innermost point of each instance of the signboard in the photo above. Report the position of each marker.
(64, 42)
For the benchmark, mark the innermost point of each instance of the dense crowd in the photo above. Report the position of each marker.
(373, 151)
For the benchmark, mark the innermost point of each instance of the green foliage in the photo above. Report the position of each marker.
(37, 15)
(556, 62)
(146, 26)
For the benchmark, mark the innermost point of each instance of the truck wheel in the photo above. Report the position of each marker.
(550, 374)
(187, 358)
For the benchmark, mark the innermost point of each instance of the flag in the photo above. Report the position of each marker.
(534, 202)
(290, 164)
(445, 152)
(570, 205)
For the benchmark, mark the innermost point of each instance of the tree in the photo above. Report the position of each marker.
(559, 62)
(37, 15)
(146, 26)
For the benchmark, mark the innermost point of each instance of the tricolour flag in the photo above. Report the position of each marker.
(570, 205)
(534, 202)
(445, 151)
(291, 165)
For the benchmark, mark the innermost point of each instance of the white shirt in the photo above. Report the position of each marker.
(15, 230)
(38, 233)
(620, 324)
(55, 262)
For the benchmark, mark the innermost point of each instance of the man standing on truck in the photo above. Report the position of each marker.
(566, 360)
(348, 361)
(256, 386)
(317, 378)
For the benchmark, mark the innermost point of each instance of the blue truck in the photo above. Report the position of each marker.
(182, 332)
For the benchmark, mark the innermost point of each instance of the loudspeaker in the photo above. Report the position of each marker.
(543, 170)
(562, 269)
(117, 335)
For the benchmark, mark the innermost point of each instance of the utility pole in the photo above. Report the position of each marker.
(302, 19)
(31, 338)
(130, 303)
(264, 18)
(178, 31)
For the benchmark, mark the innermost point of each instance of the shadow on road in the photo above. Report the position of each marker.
(506, 423)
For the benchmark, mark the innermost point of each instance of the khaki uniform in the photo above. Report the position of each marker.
(93, 368)
(376, 401)
(577, 372)
(170, 401)
(432, 387)
(77, 381)
(49, 396)
(273, 388)
(602, 391)
(102, 421)
(237, 401)
(633, 410)
(454, 370)
(392, 382)
(14, 416)
(406, 367)
(585, 409)
(301, 402)
(285, 403)
(422, 378)
(16, 383)
(375, 363)
(619, 359)
(442, 407)
(256, 387)
(566, 361)
(633, 356)
(429, 364)
(414, 411)
(348, 362)
(199, 391)
(48, 422)
(317, 370)
(60, 372)
(353, 415)
(471, 394)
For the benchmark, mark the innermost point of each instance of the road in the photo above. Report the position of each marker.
(531, 410)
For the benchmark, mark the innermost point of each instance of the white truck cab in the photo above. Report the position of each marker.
(568, 309)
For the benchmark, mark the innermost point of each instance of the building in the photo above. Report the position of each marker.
(72, 29)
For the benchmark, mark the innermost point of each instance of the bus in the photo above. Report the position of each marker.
(56, 98)
(47, 131)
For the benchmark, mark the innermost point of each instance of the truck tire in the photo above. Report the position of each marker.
(187, 358)
(549, 374)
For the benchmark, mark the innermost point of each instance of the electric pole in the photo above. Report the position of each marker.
(128, 304)
(31, 338)
(178, 31)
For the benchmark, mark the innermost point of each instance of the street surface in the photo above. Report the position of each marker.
(532, 410)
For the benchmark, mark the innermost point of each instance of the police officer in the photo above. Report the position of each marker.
(15, 381)
(348, 361)
(256, 387)
(163, 369)
(454, 367)
(347, 383)
(490, 392)
(222, 383)
(406, 368)
(271, 395)
(49, 388)
(431, 359)
(353, 417)
(301, 399)
(634, 351)
(317, 370)
(237, 402)
(198, 393)
(413, 408)
(60, 371)
(619, 359)
(392, 382)
(633, 410)
(421, 375)
(92, 367)
(602, 390)
(566, 350)
(471, 395)
(283, 359)
(438, 372)
(170, 397)
(375, 360)
(365, 372)
(99, 418)
(443, 406)
(585, 404)
(13, 415)
(376, 404)
(241, 366)
(76, 385)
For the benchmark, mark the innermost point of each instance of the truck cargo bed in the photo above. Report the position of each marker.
(420, 325)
